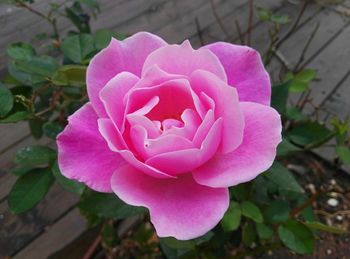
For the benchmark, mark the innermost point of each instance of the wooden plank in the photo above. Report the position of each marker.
(184, 27)
(11, 133)
(330, 25)
(55, 238)
(337, 102)
(19, 230)
(214, 33)
(332, 64)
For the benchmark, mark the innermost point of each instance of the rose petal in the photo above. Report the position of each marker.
(180, 207)
(226, 106)
(262, 134)
(116, 143)
(113, 96)
(148, 148)
(83, 154)
(184, 161)
(127, 55)
(245, 71)
(183, 60)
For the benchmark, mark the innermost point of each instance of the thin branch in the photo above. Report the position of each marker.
(218, 19)
(306, 47)
(250, 22)
(199, 31)
(274, 47)
(307, 203)
(52, 21)
(239, 31)
(294, 26)
(89, 253)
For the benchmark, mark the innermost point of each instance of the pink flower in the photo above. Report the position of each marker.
(170, 128)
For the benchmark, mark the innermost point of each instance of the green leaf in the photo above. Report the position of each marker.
(280, 19)
(251, 211)
(21, 170)
(178, 244)
(298, 86)
(279, 96)
(29, 189)
(52, 129)
(78, 47)
(102, 38)
(311, 134)
(68, 184)
(6, 100)
(285, 148)
(322, 227)
(107, 206)
(248, 234)
(264, 231)
(344, 154)
(35, 155)
(33, 71)
(73, 75)
(264, 14)
(297, 237)
(35, 126)
(284, 179)
(21, 51)
(293, 113)
(232, 217)
(306, 75)
(17, 116)
(277, 212)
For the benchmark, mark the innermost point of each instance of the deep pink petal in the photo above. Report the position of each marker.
(256, 154)
(245, 71)
(148, 148)
(226, 106)
(116, 143)
(183, 60)
(127, 55)
(179, 208)
(113, 96)
(184, 161)
(83, 154)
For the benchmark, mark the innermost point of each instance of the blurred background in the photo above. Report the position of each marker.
(290, 34)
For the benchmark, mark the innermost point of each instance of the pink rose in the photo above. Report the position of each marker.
(170, 128)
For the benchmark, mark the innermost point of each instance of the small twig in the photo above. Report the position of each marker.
(218, 19)
(294, 26)
(274, 47)
(199, 31)
(281, 59)
(92, 248)
(306, 47)
(52, 21)
(239, 31)
(250, 22)
(306, 204)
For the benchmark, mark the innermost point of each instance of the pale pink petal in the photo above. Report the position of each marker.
(179, 208)
(127, 55)
(113, 96)
(83, 154)
(256, 154)
(226, 106)
(184, 161)
(116, 143)
(183, 60)
(245, 71)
